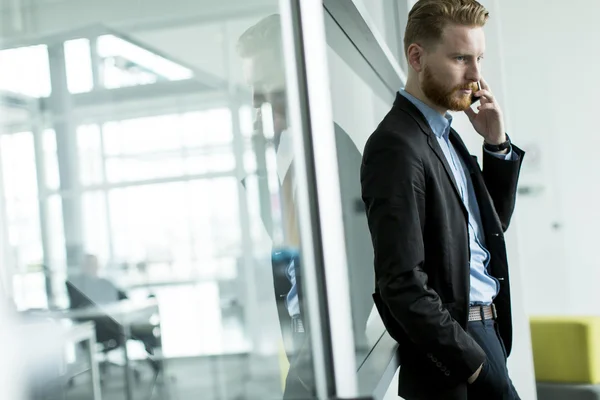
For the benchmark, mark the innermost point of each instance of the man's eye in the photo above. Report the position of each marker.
(461, 58)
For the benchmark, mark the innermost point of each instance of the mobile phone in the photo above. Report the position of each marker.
(475, 99)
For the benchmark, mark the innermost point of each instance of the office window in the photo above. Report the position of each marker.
(143, 148)
(20, 191)
(25, 70)
(207, 128)
(29, 288)
(215, 218)
(185, 227)
(142, 135)
(78, 62)
(149, 223)
(169, 146)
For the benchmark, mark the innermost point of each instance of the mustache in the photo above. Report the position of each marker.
(469, 86)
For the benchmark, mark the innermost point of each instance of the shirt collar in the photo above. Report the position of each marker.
(439, 124)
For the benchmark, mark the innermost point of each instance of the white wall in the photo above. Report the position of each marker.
(552, 95)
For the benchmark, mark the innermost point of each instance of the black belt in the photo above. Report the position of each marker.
(480, 313)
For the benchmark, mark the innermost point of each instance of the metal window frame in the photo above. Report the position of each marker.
(354, 19)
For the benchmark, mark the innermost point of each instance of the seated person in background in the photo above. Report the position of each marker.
(89, 289)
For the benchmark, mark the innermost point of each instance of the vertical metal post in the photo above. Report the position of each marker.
(94, 370)
(38, 145)
(105, 195)
(67, 151)
(96, 62)
(128, 371)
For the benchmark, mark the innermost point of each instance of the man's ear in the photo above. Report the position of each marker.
(414, 56)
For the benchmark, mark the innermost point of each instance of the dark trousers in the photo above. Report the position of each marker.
(493, 381)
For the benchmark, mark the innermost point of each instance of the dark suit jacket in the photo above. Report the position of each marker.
(418, 226)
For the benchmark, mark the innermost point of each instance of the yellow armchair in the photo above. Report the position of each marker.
(566, 349)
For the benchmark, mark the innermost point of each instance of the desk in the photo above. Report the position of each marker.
(123, 312)
(86, 332)
(62, 334)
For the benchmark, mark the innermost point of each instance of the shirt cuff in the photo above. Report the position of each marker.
(510, 156)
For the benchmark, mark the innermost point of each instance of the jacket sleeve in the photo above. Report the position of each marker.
(394, 191)
(501, 178)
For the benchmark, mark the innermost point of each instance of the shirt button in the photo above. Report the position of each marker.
(434, 359)
(438, 364)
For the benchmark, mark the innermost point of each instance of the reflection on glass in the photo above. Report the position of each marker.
(260, 48)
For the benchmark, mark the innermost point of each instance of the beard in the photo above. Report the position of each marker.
(442, 96)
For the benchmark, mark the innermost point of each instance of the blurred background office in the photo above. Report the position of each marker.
(135, 147)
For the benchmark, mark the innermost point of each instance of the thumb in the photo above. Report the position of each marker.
(470, 113)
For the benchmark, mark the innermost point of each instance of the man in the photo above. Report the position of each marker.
(91, 288)
(437, 220)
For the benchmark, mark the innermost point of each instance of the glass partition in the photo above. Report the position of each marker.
(150, 195)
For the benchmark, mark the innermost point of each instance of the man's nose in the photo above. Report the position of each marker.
(474, 72)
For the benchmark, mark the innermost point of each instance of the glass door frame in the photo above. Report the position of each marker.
(325, 267)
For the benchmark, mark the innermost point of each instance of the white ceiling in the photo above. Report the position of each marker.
(26, 20)
(200, 34)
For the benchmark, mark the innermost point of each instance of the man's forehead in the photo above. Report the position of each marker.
(264, 70)
(463, 39)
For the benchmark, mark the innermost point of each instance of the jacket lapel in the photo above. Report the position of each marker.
(463, 152)
(488, 213)
(408, 107)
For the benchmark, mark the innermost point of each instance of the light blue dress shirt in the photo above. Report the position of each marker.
(484, 287)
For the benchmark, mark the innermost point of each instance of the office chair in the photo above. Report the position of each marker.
(109, 333)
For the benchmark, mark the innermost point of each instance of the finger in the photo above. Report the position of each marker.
(486, 94)
(470, 113)
(482, 99)
(488, 106)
